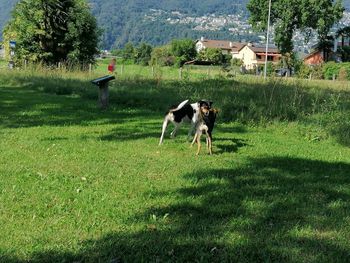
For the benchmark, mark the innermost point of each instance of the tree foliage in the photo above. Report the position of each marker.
(184, 50)
(344, 53)
(213, 55)
(128, 52)
(143, 54)
(52, 31)
(288, 16)
(161, 56)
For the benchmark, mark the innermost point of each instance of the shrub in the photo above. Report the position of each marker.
(303, 71)
(330, 69)
(317, 72)
(161, 56)
(343, 74)
(339, 70)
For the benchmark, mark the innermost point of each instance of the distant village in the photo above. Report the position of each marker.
(236, 24)
(252, 55)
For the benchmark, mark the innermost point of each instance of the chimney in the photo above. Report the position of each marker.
(231, 44)
(202, 39)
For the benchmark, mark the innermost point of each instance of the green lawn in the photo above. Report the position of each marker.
(83, 185)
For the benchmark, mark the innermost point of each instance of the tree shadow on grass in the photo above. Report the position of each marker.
(229, 145)
(22, 107)
(276, 209)
(134, 131)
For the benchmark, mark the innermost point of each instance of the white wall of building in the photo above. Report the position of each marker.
(249, 57)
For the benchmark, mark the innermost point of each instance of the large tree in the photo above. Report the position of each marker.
(287, 16)
(52, 31)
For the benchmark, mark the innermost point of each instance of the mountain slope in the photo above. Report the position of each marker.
(155, 22)
(5, 11)
(124, 20)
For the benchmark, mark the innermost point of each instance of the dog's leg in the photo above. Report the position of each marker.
(210, 148)
(199, 144)
(191, 130)
(165, 124)
(194, 139)
(177, 127)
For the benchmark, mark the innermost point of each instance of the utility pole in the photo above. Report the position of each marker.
(267, 39)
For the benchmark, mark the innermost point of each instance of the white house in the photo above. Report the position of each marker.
(251, 55)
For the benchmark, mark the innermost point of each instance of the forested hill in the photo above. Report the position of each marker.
(148, 20)
(158, 21)
(5, 11)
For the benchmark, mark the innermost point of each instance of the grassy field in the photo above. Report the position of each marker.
(83, 185)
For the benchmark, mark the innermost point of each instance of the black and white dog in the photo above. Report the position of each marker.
(183, 113)
(205, 126)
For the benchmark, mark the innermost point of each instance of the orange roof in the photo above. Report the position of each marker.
(315, 52)
(263, 49)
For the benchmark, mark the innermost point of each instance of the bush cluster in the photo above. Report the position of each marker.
(340, 71)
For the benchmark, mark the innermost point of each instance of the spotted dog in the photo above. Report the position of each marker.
(184, 112)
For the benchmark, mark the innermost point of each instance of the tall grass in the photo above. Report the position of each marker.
(246, 99)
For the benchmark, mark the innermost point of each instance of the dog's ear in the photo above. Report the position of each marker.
(205, 102)
(201, 102)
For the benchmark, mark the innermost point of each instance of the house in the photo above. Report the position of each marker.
(314, 58)
(251, 55)
(227, 47)
(319, 56)
(254, 55)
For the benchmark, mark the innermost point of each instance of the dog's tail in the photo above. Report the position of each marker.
(165, 124)
(180, 106)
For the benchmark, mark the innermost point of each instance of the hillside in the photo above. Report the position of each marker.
(138, 20)
(158, 21)
(5, 12)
